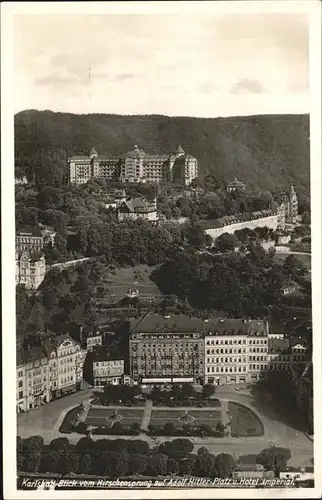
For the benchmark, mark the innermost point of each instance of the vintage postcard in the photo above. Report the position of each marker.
(161, 214)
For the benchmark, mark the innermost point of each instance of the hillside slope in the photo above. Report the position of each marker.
(269, 151)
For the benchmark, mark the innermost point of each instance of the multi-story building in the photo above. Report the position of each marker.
(84, 168)
(235, 350)
(34, 239)
(166, 349)
(216, 351)
(134, 166)
(283, 356)
(32, 382)
(273, 219)
(30, 269)
(106, 368)
(137, 208)
(94, 339)
(48, 370)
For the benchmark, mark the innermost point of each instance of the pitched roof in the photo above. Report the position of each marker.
(137, 205)
(235, 183)
(79, 158)
(25, 356)
(180, 149)
(278, 345)
(103, 353)
(33, 231)
(93, 151)
(182, 323)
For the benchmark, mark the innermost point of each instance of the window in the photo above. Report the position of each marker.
(20, 394)
(20, 373)
(20, 383)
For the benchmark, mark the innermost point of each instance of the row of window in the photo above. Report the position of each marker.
(227, 360)
(236, 341)
(225, 369)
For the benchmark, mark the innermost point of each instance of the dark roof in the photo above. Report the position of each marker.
(231, 219)
(278, 345)
(34, 231)
(103, 353)
(182, 323)
(138, 205)
(235, 183)
(30, 355)
(79, 158)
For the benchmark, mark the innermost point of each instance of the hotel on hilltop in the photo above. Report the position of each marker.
(135, 166)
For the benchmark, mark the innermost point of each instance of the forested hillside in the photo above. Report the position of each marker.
(268, 152)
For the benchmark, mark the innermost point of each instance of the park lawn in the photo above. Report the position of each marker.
(201, 417)
(98, 417)
(244, 422)
(136, 277)
(66, 425)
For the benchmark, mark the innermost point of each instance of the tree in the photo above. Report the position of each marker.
(68, 463)
(187, 465)
(20, 461)
(85, 462)
(137, 464)
(205, 465)
(49, 461)
(177, 449)
(202, 450)
(274, 458)
(158, 464)
(137, 447)
(60, 445)
(208, 391)
(32, 459)
(172, 466)
(225, 465)
(120, 464)
(226, 242)
(33, 443)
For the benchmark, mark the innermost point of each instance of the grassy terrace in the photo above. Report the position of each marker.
(244, 422)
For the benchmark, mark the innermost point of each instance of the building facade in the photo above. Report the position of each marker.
(134, 166)
(30, 269)
(212, 351)
(235, 351)
(232, 223)
(34, 239)
(32, 381)
(106, 369)
(47, 371)
(166, 349)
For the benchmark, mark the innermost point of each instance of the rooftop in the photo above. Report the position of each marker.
(30, 231)
(153, 323)
(235, 183)
(103, 353)
(138, 205)
(232, 219)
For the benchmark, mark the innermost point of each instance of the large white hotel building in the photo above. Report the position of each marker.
(134, 166)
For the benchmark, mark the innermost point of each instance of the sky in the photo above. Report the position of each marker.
(177, 65)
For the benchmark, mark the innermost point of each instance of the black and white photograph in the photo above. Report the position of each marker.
(163, 208)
